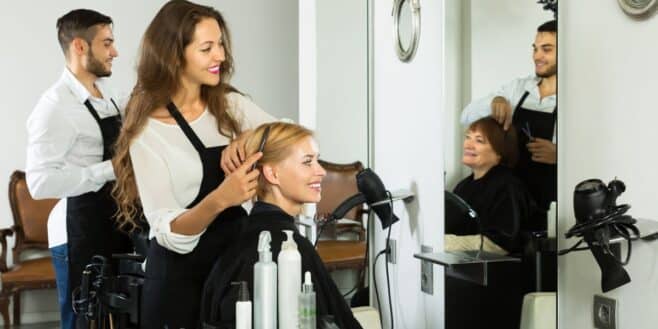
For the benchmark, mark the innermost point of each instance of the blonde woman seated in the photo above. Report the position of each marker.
(290, 176)
(501, 201)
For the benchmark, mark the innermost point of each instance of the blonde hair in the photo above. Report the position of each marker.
(277, 145)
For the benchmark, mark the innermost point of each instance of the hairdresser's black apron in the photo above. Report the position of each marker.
(90, 224)
(174, 282)
(540, 178)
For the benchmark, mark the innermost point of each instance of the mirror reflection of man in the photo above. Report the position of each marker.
(530, 104)
(70, 136)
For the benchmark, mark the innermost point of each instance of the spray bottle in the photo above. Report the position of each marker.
(265, 285)
(307, 306)
(290, 279)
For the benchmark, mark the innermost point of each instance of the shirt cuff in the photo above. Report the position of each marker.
(102, 172)
(176, 242)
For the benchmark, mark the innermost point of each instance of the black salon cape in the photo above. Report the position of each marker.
(219, 296)
(505, 209)
(503, 205)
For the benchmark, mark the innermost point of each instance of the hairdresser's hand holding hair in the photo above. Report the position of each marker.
(501, 110)
(235, 153)
(237, 188)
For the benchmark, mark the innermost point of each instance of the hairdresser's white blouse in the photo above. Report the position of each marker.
(168, 170)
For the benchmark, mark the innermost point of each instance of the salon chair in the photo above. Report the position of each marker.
(112, 288)
(30, 232)
(342, 244)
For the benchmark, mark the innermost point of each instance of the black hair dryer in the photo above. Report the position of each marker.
(598, 218)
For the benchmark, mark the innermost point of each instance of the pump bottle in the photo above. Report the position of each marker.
(265, 285)
(290, 280)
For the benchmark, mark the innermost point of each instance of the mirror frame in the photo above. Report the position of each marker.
(406, 55)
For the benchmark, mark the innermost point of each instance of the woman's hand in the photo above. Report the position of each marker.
(239, 186)
(234, 154)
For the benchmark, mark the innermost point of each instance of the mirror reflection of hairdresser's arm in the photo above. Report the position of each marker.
(480, 108)
(51, 136)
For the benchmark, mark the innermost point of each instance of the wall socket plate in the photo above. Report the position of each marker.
(426, 273)
(392, 257)
(605, 312)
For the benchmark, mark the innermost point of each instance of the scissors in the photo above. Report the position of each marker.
(526, 131)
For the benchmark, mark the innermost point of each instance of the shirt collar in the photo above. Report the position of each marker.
(532, 86)
(79, 90)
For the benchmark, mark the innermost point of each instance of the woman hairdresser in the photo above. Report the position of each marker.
(180, 117)
(290, 176)
(502, 203)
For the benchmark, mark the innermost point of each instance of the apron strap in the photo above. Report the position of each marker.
(187, 130)
(92, 111)
(116, 106)
(519, 105)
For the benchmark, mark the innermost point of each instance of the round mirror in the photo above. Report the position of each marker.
(637, 7)
(406, 25)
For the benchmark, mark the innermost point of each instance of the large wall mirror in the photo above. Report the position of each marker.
(342, 80)
(493, 49)
(342, 115)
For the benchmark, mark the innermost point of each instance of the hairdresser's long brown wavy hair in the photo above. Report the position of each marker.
(161, 62)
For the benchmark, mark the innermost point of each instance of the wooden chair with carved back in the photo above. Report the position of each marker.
(338, 185)
(30, 232)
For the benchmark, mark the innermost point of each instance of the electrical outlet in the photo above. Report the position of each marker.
(392, 256)
(605, 312)
(426, 273)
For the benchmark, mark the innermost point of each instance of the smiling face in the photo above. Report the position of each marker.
(204, 55)
(101, 52)
(300, 174)
(479, 155)
(545, 54)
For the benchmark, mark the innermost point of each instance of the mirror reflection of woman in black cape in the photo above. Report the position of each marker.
(504, 210)
(290, 176)
(503, 204)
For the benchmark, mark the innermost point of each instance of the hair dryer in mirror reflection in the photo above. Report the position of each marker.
(599, 220)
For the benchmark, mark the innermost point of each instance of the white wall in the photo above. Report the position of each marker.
(408, 117)
(502, 33)
(607, 128)
(342, 80)
(487, 44)
(265, 51)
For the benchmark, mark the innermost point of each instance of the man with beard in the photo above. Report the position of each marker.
(530, 104)
(70, 136)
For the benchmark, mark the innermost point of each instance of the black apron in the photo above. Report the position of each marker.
(174, 282)
(90, 224)
(540, 178)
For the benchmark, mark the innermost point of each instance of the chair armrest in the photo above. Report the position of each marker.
(4, 233)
